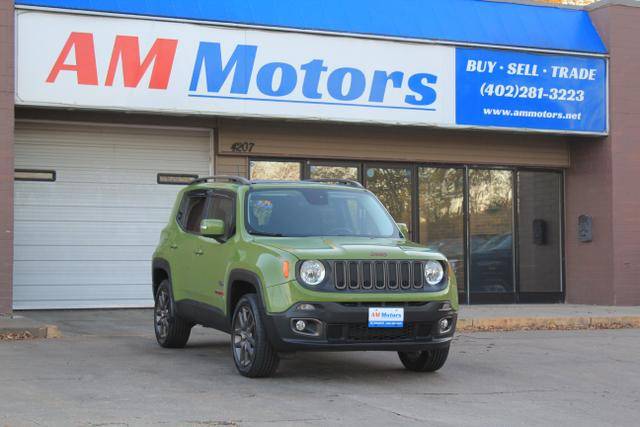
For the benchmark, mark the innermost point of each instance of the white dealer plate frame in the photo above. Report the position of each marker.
(386, 317)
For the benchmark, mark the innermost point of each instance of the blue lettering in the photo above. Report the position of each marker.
(379, 86)
(279, 79)
(288, 79)
(313, 70)
(356, 84)
(210, 55)
(417, 85)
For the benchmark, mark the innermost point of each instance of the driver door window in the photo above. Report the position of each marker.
(222, 207)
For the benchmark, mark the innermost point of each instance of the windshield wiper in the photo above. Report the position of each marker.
(265, 233)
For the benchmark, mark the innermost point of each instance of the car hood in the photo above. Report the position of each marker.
(349, 248)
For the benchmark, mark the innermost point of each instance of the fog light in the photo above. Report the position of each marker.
(444, 325)
(306, 307)
(308, 327)
(301, 325)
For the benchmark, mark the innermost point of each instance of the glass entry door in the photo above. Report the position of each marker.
(491, 237)
(441, 217)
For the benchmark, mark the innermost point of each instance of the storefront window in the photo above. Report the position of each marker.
(486, 267)
(393, 187)
(491, 232)
(274, 170)
(441, 215)
(333, 172)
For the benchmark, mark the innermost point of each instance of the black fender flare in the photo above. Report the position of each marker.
(247, 276)
(161, 264)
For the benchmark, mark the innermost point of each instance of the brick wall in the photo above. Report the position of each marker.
(6, 154)
(603, 179)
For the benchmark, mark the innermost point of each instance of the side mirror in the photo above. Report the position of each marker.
(212, 227)
(403, 229)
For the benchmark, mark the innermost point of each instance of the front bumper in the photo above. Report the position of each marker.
(344, 327)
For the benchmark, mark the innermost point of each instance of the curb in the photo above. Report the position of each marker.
(11, 333)
(546, 323)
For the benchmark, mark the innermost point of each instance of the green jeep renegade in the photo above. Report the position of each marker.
(299, 265)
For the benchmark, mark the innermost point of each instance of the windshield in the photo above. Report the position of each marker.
(289, 212)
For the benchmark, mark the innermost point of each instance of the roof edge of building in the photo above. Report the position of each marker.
(606, 3)
(540, 4)
(577, 35)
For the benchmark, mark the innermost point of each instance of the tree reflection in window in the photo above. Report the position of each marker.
(333, 172)
(491, 230)
(441, 204)
(275, 170)
(393, 187)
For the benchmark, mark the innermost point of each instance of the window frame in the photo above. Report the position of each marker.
(52, 175)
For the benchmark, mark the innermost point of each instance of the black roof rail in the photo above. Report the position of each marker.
(231, 178)
(349, 182)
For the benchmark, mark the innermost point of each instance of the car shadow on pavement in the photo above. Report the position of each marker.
(365, 366)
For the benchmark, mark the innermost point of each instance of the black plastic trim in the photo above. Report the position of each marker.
(203, 314)
(161, 264)
(242, 275)
(285, 340)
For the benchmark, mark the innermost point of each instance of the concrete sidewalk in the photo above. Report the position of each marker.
(474, 318)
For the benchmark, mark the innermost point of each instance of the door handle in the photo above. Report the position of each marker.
(173, 246)
(198, 252)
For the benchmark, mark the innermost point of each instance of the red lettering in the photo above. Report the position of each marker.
(127, 50)
(85, 66)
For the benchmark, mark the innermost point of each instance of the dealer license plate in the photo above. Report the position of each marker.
(386, 317)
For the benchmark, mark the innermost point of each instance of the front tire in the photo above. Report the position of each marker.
(424, 361)
(171, 331)
(252, 352)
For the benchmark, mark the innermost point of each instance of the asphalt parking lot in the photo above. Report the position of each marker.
(108, 371)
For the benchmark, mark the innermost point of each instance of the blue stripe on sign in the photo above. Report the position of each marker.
(466, 21)
(293, 101)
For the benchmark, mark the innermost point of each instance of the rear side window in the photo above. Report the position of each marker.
(191, 212)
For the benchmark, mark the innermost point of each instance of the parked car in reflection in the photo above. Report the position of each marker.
(492, 264)
(453, 249)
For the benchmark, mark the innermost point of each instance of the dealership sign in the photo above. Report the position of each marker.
(140, 65)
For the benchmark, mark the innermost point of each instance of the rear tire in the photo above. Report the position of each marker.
(171, 331)
(424, 361)
(252, 352)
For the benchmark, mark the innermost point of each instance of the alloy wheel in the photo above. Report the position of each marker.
(244, 332)
(162, 314)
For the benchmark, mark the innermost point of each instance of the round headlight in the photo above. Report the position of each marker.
(433, 272)
(312, 272)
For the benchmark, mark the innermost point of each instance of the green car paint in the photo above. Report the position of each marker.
(205, 278)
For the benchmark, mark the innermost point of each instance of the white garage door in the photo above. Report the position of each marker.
(86, 240)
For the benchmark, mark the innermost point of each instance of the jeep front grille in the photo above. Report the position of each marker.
(384, 275)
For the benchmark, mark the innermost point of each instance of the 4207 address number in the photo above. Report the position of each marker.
(242, 147)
